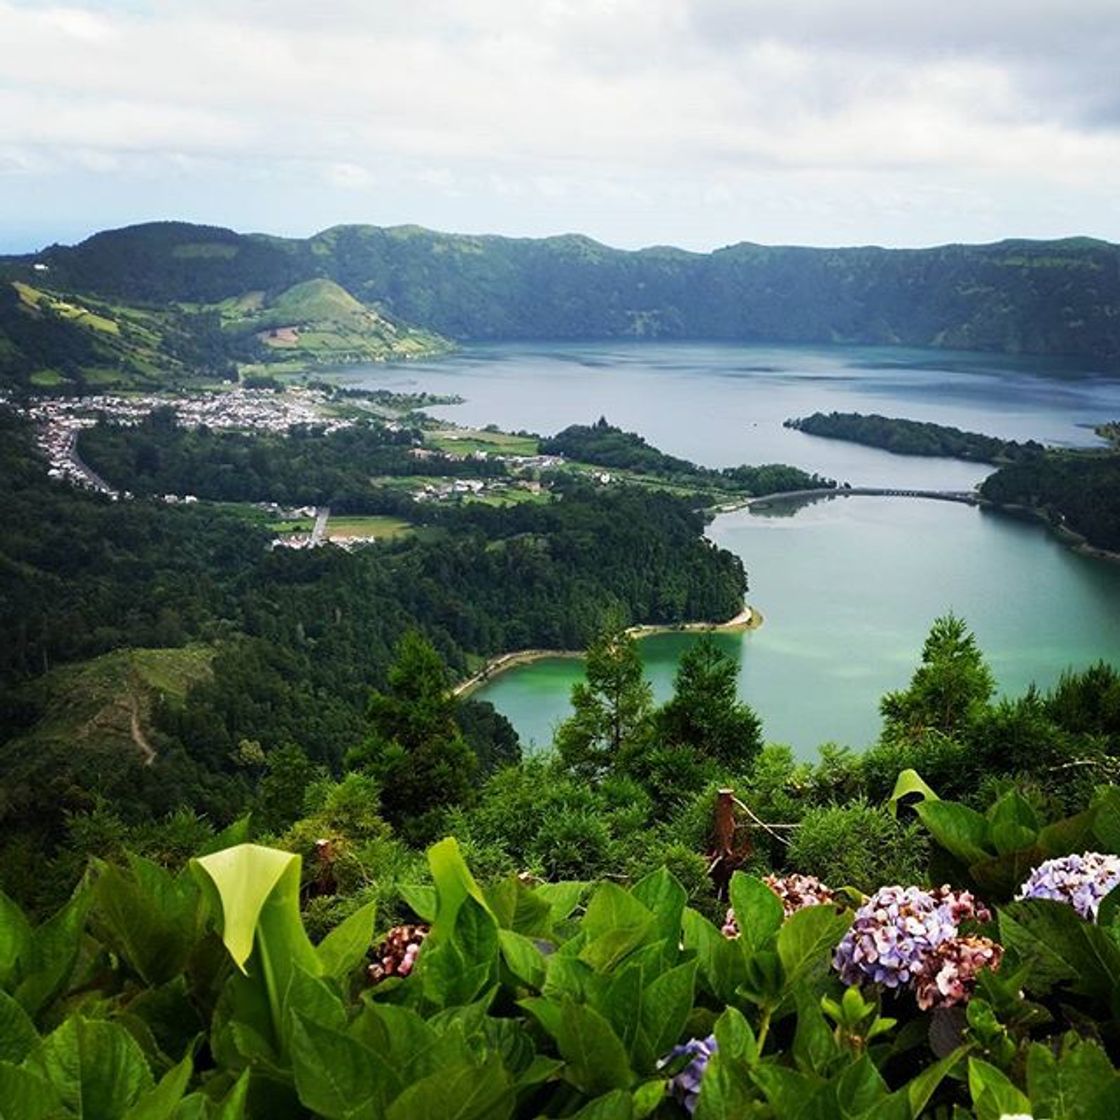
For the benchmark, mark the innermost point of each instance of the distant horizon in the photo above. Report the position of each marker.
(22, 249)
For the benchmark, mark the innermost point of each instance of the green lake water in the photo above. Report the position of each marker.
(848, 586)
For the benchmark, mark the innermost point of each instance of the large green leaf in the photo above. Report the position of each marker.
(152, 918)
(595, 1057)
(806, 943)
(758, 911)
(909, 784)
(994, 1095)
(666, 1005)
(515, 907)
(96, 1067)
(1013, 823)
(248, 878)
(51, 954)
(522, 958)
(25, 1095)
(17, 1033)
(455, 967)
(161, 1102)
(345, 947)
(1059, 946)
(959, 830)
(611, 911)
(661, 894)
(339, 1078)
(465, 1091)
(15, 937)
(1079, 1083)
(721, 961)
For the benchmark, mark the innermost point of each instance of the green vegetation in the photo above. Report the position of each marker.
(375, 528)
(1073, 492)
(604, 445)
(1052, 297)
(466, 441)
(914, 437)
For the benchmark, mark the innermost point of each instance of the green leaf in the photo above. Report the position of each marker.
(161, 1102)
(727, 1089)
(17, 1033)
(50, 955)
(460, 1092)
(806, 943)
(96, 1067)
(453, 880)
(664, 897)
(1060, 946)
(1013, 823)
(25, 1095)
(233, 1106)
(595, 1056)
(421, 900)
(721, 961)
(666, 1005)
(1106, 821)
(612, 910)
(1077, 1084)
(909, 784)
(758, 911)
(815, 1049)
(921, 1088)
(562, 897)
(152, 918)
(15, 937)
(345, 947)
(993, 1094)
(961, 831)
(523, 958)
(788, 1091)
(245, 877)
(337, 1076)
(456, 967)
(647, 1098)
(615, 1105)
(1073, 834)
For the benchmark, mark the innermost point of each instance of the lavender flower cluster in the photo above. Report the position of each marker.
(907, 936)
(684, 1087)
(1079, 881)
(795, 891)
(397, 954)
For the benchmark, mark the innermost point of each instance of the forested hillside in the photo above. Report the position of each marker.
(1060, 297)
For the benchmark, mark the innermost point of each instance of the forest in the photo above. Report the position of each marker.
(915, 437)
(1073, 491)
(607, 446)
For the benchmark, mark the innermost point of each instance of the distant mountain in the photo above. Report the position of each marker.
(1022, 297)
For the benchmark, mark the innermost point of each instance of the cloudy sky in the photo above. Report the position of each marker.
(688, 122)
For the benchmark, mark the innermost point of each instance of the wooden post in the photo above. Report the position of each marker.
(727, 855)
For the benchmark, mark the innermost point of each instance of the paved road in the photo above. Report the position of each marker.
(92, 477)
(319, 533)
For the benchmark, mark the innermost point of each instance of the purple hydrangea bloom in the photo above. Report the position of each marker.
(685, 1086)
(897, 930)
(1079, 881)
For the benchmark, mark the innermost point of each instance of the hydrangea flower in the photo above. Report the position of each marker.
(685, 1086)
(795, 891)
(948, 976)
(897, 930)
(1080, 881)
(397, 954)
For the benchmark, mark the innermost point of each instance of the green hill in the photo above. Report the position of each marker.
(352, 288)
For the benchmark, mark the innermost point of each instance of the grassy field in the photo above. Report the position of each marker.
(464, 441)
(374, 527)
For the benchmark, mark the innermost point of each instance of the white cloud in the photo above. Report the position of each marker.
(605, 105)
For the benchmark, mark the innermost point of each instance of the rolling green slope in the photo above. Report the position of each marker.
(351, 288)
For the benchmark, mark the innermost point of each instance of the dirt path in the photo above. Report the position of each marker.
(138, 736)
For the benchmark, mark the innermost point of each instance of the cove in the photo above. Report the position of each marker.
(848, 588)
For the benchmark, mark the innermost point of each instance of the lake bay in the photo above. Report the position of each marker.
(848, 586)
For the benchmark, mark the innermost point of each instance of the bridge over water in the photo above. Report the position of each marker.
(967, 497)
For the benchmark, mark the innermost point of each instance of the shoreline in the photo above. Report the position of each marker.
(1066, 536)
(749, 618)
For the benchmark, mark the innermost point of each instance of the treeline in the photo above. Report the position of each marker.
(915, 437)
(1079, 492)
(303, 467)
(300, 637)
(604, 445)
(1044, 297)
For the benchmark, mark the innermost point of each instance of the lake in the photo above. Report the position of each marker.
(848, 586)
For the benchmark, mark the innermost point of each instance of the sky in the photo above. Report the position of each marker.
(696, 123)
